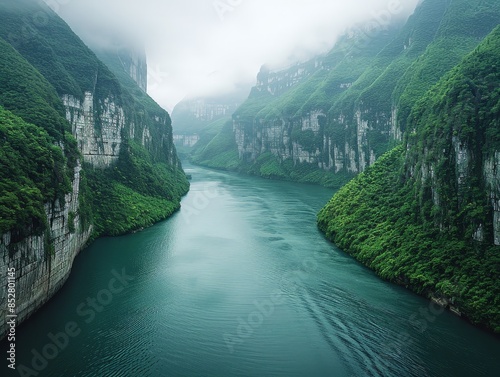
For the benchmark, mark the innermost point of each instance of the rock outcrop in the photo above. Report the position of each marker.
(335, 115)
(426, 214)
(43, 262)
(123, 142)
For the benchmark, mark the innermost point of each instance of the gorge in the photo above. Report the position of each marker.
(321, 225)
(217, 291)
(112, 167)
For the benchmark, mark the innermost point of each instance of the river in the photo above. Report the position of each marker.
(241, 283)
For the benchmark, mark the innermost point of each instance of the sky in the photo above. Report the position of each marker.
(209, 47)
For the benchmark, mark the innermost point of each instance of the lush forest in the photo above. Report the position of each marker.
(418, 108)
(422, 215)
(42, 62)
(363, 91)
(37, 151)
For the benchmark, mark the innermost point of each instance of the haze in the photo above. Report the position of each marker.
(207, 47)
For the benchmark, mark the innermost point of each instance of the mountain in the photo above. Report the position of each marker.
(328, 119)
(426, 215)
(196, 119)
(84, 152)
(192, 115)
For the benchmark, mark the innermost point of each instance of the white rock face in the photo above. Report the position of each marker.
(137, 68)
(491, 173)
(186, 140)
(40, 274)
(274, 136)
(362, 139)
(462, 156)
(99, 140)
(99, 128)
(396, 133)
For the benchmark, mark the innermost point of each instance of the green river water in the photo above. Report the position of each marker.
(241, 283)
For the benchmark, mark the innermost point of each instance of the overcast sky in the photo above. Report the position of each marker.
(201, 47)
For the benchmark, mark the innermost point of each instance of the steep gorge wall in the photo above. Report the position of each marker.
(106, 116)
(134, 62)
(426, 215)
(101, 133)
(305, 140)
(99, 145)
(339, 113)
(491, 171)
(43, 262)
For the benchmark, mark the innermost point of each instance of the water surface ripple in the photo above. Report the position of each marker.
(241, 283)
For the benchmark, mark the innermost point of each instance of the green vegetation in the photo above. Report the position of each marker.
(120, 209)
(463, 26)
(32, 172)
(34, 169)
(365, 88)
(71, 222)
(434, 232)
(26, 93)
(43, 60)
(216, 147)
(269, 166)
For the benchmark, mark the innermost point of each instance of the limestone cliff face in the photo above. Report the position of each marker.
(191, 116)
(489, 179)
(466, 172)
(256, 138)
(278, 82)
(134, 62)
(186, 140)
(346, 138)
(342, 111)
(352, 151)
(99, 145)
(43, 262)
(491, 171)
(103, 118)
(101, 126)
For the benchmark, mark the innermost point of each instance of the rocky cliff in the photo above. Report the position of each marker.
(43, 261)
(98, 158)
(134, 62)
(426, 214)
(332, 117)
(192, 115)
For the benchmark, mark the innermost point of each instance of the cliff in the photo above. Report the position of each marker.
(426, 215)
(134, 62)
(193, 116)
(326, 120)
(98, 158)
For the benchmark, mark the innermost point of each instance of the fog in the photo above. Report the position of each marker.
(207, 47)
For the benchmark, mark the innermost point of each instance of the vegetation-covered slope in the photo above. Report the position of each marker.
(44, 61)
(354, 104)
(214, 138)
(424, 215)
(32, 173)
(37, 151)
